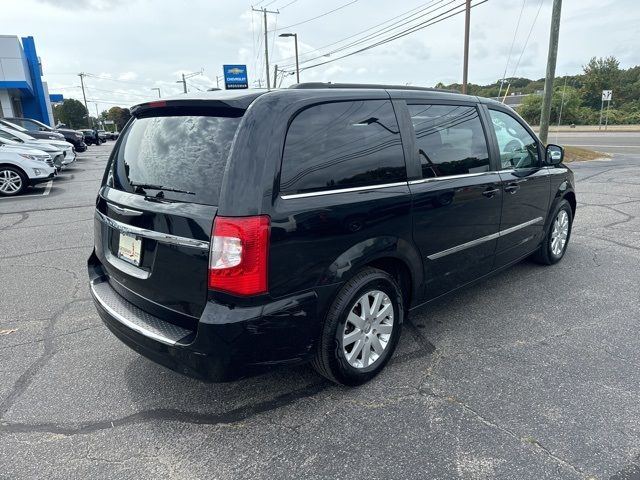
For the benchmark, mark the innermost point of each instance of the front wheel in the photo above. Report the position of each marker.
(556, 240)
(12, 181)
(361, 330)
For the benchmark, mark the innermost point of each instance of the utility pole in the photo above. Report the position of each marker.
(184, 79)
(81, 75)
(184, 83)
(217, 81)
(266, 39)
(551, 70)
(465, 68)
(97, 114)
(275, 76)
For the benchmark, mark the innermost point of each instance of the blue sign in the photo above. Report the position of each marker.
(235, 77)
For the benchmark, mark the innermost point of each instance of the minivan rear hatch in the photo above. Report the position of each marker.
(157, 204)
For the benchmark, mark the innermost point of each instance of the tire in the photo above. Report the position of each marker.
(550, 252)
(332, 354)
(12, 181)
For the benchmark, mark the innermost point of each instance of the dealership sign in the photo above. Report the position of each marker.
(235, 76)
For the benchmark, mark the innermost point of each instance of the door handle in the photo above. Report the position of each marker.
(512, 188)
(490, 192)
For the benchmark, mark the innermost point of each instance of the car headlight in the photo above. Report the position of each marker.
(30, 157)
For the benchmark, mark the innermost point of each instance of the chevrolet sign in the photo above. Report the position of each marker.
(235, 77)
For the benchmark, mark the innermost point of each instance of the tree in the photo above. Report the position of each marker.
(570, 104)
(599, 74)
(71, 112)
(119, 115)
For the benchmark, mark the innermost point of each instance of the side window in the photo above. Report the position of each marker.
(518, 149)
(450, 140)
(342, 145)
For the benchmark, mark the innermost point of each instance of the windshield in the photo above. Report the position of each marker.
(12, 126)
(11, 134)
(184, 156)
(9, 137)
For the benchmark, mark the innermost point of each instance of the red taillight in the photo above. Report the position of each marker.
(238, 255)
(158, 103)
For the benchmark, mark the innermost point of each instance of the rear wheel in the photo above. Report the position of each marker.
(12, 181)
(556, 240)
(361, 330)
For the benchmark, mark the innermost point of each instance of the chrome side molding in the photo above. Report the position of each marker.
(484, 239)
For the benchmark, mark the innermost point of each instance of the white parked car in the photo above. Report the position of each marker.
(66, 149)
(21, 167)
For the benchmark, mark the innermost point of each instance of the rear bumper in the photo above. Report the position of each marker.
(228, 343)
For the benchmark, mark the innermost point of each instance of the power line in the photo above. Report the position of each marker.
(390, 28)
(527, 40)
(118, 93)
(407, 14)
(194, 86)
(513, 41)
(404, 33)
(318, 16)
(285, 6)
(116, 80)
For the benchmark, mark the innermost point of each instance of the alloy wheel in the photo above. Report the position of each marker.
(368, 329)
(10, 182)
(559, 233)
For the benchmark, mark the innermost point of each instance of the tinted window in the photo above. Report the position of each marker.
(186, 153)
(518, 149)
(450, 140)
(342, 145)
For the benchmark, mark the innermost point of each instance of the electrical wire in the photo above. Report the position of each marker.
(388, 29)
(285, 6)
(115, 79)
(407, 14)
(527, 40)
(513, 41)
(319, 16)
(437, 19)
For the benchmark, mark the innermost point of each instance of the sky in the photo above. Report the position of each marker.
(130, 47)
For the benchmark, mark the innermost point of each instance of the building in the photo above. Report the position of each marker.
(22, 91)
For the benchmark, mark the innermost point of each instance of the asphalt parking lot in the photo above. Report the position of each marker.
(532, 374)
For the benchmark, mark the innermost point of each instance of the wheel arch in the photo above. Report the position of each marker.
(17, 167)
(393, 255)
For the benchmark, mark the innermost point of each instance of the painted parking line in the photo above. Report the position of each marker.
(32, 194)
(48, 189)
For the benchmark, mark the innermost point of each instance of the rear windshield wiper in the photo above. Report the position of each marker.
(141, 186)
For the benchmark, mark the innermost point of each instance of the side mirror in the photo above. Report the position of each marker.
(555, 154)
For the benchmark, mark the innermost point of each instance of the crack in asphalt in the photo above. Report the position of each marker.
(26, 254)
(23, 216)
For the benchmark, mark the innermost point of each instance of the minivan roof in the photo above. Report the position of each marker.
(241, 99)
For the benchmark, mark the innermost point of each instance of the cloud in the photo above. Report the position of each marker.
(128, 76)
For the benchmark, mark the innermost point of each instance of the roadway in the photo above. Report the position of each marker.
(532, 373)
(624, 143)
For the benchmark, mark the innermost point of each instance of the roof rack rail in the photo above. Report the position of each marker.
(312, 85)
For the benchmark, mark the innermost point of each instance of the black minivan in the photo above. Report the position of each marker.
(240, 230)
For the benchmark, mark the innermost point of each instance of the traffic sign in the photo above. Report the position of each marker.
(235, 77)
(606, 95)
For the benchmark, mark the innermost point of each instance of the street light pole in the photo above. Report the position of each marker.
(295, 39)
(81, 75)
(158, 89)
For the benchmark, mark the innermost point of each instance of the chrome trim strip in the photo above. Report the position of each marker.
(153, 235)
(480, 240)
(128, 323)
(125, 267)
(342, 190)
(123, 211)
(449, 177)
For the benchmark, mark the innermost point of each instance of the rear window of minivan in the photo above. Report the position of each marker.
(182, 152)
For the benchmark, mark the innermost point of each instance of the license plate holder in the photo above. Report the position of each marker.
(130, 249)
